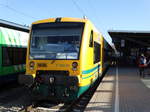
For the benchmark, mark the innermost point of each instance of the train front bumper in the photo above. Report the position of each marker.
(58, 87)
(27, 80)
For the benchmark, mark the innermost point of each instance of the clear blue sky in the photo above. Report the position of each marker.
(105, 14)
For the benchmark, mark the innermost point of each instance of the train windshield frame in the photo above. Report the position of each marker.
(56, 41)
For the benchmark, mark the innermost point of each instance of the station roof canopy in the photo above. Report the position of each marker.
(140, 38)
(12, 25)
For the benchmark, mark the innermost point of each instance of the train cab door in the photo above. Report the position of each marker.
(97, 52)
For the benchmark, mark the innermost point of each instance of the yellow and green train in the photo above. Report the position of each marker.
(13, 46)
(64, 58)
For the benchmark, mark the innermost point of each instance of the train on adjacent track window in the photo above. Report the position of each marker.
(13, 46)
(65, 57)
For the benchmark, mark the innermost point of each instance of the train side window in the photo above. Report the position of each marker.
(6, 56)
(97, 52)
(13, 56)
(19, 56)
(91, 39)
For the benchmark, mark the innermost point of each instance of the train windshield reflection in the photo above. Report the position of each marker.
(55, 43)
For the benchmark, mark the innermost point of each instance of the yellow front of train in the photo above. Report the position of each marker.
(53, 65)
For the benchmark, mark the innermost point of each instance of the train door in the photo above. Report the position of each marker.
(97, 52)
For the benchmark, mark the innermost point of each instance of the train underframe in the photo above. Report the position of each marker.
(49, 86)
(58, 88)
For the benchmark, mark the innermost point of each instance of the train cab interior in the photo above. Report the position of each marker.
(130, 44)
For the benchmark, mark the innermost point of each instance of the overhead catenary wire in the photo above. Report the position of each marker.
(16, 11)
(93, 8)
(82, 11)
(79, 8)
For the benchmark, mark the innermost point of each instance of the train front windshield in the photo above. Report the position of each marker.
(56, 41)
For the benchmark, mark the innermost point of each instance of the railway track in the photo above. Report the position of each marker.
(13, 98)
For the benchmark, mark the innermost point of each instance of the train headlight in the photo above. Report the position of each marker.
(31, 65)
(74, 65)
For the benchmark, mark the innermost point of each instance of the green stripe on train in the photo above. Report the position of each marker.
(10, 70)
(90, 70)
(82, 89)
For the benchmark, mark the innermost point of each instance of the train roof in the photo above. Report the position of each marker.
(66, 19)
(61, 19)
(11, 25)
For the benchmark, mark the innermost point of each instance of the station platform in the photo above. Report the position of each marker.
(121, 90)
